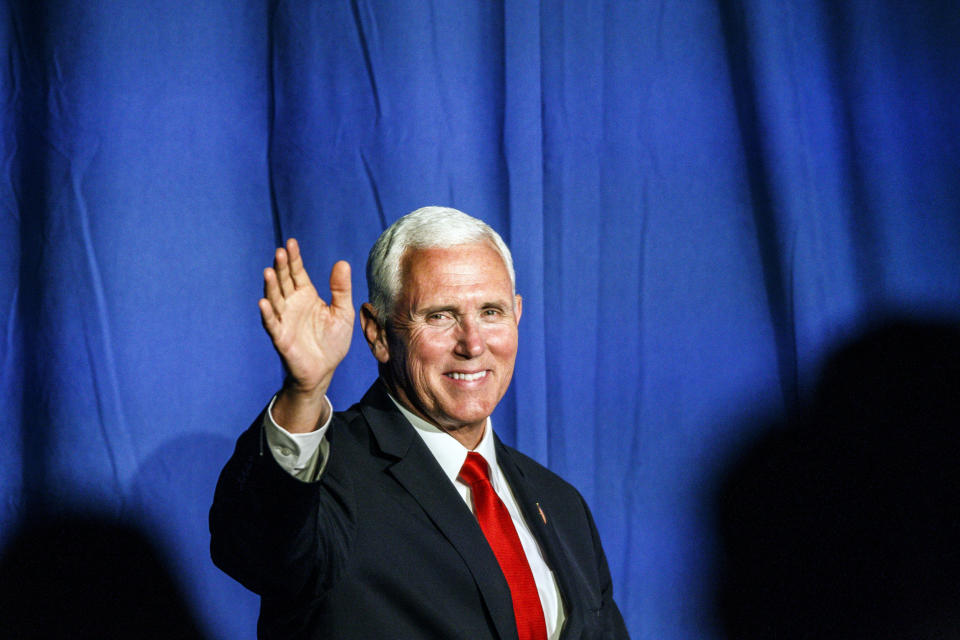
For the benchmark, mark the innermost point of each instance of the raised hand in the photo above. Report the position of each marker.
(310, 336)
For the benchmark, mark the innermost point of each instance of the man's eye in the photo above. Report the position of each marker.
(437, 317)
(491, 313)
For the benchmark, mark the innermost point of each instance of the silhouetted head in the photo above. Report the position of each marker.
(845, 522)
(88, 578)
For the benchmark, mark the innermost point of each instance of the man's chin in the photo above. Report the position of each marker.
(474, 416)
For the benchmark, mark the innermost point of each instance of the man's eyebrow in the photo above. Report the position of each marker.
(435, 308)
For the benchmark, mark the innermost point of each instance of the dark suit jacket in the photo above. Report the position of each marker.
(383, 546)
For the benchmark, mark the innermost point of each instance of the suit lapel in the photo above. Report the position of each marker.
(550, 543)
(418, 472)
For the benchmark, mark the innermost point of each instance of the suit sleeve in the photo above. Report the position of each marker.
(278, 536)
(610, 618)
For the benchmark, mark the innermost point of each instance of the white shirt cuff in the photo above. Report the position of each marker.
(302, 455)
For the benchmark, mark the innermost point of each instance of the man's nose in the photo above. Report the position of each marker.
(470, 342)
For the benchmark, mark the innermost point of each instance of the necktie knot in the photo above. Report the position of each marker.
(474, 469)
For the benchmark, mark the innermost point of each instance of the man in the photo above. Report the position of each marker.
(405, 517)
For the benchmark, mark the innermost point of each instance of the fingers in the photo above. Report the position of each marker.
(341, 296)
(297, 272)
(272, 292)
(281, 265)
(269, 318)
(288, 275)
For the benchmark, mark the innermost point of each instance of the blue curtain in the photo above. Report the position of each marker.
(703, 198)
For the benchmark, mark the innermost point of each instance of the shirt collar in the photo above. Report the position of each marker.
(446, 449)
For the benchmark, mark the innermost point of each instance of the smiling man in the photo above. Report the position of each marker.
(405, 516)
(452, 337)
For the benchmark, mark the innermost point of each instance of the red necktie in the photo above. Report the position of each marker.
(498, 527)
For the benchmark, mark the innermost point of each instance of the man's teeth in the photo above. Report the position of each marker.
(467, 376)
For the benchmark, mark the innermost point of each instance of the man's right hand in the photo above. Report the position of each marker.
(311, 336)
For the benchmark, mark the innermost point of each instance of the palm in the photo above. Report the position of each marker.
(311, 336)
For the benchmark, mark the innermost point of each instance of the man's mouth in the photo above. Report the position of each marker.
(467, 377)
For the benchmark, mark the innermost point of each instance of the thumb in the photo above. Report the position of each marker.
(340, 289)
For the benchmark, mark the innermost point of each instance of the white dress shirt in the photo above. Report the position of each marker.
(304, 455)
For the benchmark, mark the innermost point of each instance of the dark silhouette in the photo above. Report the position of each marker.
(845, 521)
(88, 578)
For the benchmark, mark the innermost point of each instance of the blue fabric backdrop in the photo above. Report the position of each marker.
(702, 199)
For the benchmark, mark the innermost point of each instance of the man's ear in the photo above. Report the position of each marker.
(517, 307)
(374, 332)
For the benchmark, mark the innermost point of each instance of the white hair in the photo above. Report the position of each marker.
(425, 228)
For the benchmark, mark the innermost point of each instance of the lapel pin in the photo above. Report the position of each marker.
(542, 516)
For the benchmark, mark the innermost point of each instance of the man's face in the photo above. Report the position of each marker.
(452, 337)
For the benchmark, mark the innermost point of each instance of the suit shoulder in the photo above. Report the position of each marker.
(541, 476)
(351, 423)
